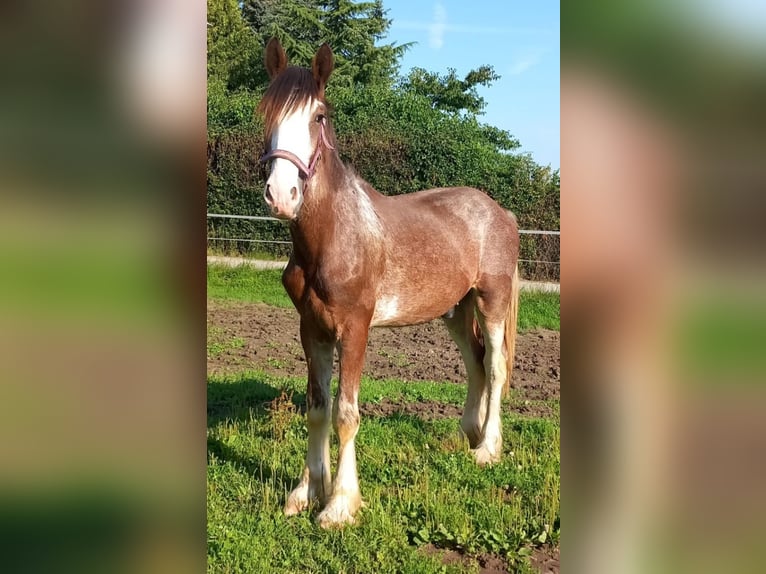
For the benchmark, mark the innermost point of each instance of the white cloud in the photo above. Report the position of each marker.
(521, 66)
(524, 62)
(437, 28)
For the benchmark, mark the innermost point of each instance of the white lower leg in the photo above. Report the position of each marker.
(346, 498)
(475, 412)
(315, 480)
(491, 445)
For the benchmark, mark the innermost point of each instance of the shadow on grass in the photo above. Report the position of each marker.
(234, 400)
(238, 401)
(251, 464)
(241, 399)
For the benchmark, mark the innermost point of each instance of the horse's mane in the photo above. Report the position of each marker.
(292, 89)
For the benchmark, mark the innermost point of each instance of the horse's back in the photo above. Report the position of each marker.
(465, 218)
(439, 243)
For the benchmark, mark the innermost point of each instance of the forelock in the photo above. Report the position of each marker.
(291, 90)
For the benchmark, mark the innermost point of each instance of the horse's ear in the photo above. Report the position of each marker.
(322, 66)
(275, 58)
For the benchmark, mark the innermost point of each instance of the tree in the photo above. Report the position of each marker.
(355, 28)
(233, 51)
(352, 29)
(449, 93)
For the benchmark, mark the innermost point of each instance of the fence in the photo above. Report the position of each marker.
(539, 257)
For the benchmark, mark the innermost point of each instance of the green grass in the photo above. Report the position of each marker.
(417, 477)
(538, 309)
(244, 283)
(253, 253)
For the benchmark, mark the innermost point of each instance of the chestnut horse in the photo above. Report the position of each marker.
(361, 259)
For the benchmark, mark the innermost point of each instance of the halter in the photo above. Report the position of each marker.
(305, 172)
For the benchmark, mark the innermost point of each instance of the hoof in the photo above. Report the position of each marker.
(484, 455)
(297, 502)
(339, 512)
(472, 433)
(300, 497)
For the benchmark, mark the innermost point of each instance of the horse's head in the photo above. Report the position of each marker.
(295, 118)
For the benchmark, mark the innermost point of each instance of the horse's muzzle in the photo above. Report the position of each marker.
(283, 206)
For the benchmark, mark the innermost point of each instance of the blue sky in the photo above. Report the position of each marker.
(520, 39)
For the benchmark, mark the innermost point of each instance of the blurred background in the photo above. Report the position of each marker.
(102, 127)
(662, 201)
(102, 184)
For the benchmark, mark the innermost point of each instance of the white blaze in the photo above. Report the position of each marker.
(292, 134)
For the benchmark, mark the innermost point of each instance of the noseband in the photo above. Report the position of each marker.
(305, 172)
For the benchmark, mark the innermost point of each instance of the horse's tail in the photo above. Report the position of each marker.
(511, 321)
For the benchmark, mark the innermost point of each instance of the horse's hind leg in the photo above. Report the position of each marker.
(315, 482)
(492, 306)
(461, 326)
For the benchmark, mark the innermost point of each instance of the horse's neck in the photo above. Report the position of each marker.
(313, 228)
(337, 214)
(317, 220)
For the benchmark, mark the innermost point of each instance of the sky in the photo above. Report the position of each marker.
(519, 38)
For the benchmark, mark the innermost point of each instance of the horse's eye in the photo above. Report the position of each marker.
(320, 118)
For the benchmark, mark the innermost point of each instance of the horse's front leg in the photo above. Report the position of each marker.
(346, 498)
(314, 483)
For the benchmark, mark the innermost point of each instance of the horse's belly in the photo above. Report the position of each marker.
(406, 307)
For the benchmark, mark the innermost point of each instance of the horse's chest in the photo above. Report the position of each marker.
(328, 300)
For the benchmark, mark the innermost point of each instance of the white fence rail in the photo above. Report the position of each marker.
(547, 266)
(266, 218)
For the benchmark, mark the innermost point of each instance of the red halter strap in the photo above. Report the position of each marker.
(306, 172)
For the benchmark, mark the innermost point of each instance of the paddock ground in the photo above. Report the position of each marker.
(266, 340)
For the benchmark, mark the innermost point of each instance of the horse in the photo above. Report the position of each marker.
(361, 259)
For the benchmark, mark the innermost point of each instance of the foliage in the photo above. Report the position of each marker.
(353, 29)
(415, 133)
(448, 92)
(233, 51)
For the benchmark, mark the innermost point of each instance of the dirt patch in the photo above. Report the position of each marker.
(426, 410)
(544, 560)
(418, 353)
(429, 410)
(487, 563)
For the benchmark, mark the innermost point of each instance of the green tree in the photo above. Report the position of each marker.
(448, 92)
(353, 29)
(233, 50)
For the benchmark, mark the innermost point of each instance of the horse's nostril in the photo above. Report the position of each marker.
(267, 194)
(294, 193)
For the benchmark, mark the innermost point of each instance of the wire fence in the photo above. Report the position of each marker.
(268, 237)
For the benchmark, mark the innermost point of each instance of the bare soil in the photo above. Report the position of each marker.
(544, 559)
(269, 342)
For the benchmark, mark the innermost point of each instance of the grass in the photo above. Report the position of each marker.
(253, 253)
(243, 283)
(538, 309)
(417, 477)
(246, 284)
